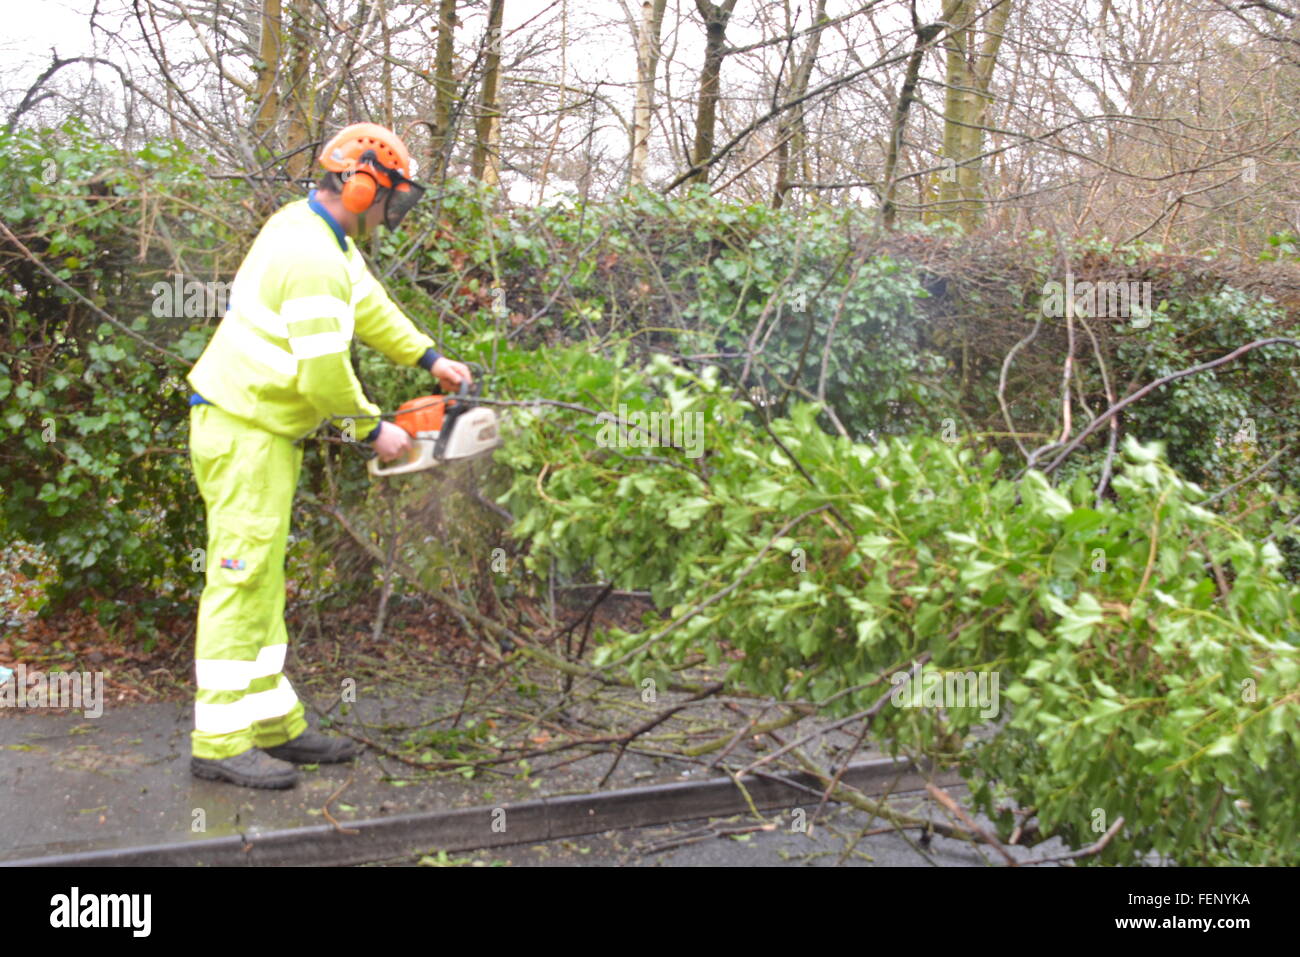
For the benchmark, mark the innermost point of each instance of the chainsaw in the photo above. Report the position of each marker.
(443, 429)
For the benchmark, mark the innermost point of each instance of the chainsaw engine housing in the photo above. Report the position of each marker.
(442, 429)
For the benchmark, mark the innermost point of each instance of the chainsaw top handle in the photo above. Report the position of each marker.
(455, 408)
(469, 390)
(466, 394)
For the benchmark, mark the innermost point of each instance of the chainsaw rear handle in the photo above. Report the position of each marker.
(418, 459)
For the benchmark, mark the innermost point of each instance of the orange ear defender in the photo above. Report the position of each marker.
(370, 158)
(358, 191)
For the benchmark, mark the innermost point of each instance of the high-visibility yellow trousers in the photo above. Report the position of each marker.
(247, 477)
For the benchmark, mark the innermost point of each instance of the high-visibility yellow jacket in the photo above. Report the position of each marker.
(280, 357)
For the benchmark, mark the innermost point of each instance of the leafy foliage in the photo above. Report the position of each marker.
(92, 423)
(1135, 682)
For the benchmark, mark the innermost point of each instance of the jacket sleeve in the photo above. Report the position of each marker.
(319, 322)
(383, 326)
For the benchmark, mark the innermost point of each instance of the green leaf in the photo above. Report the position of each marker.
(868, 629)
(875, 546)
(688, 511)
(1077, 622)
(1223, 746)
(1019, 692)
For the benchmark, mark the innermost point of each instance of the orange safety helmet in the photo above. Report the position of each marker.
(367, 157)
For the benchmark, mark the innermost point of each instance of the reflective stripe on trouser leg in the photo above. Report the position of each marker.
(247, 477)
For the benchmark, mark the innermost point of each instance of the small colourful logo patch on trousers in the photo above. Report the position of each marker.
(236, 563)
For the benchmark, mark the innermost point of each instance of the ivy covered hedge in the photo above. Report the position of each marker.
(898, 335)
(92, 423)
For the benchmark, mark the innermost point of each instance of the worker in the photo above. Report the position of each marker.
(278, 367)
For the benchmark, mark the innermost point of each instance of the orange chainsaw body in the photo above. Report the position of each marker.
(441, 430)
(423, 414)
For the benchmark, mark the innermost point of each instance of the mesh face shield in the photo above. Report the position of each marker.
(401, 197)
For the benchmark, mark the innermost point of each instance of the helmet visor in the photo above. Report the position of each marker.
(401, 198)
(403, 193)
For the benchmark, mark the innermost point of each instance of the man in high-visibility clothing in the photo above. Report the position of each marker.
(278, 366)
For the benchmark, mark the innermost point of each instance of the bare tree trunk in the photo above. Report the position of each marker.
(266, 93)
(957, 81)
(647, 64)
(487, 135)
(978, 100)
(715, 26)
(790, 131)
(924, 36)
(444, 91)
(302, 114)
(969, 73)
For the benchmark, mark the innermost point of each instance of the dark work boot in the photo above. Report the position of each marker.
(252, 769)
(312, 747)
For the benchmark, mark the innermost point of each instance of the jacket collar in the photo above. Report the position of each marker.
(324, 214)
